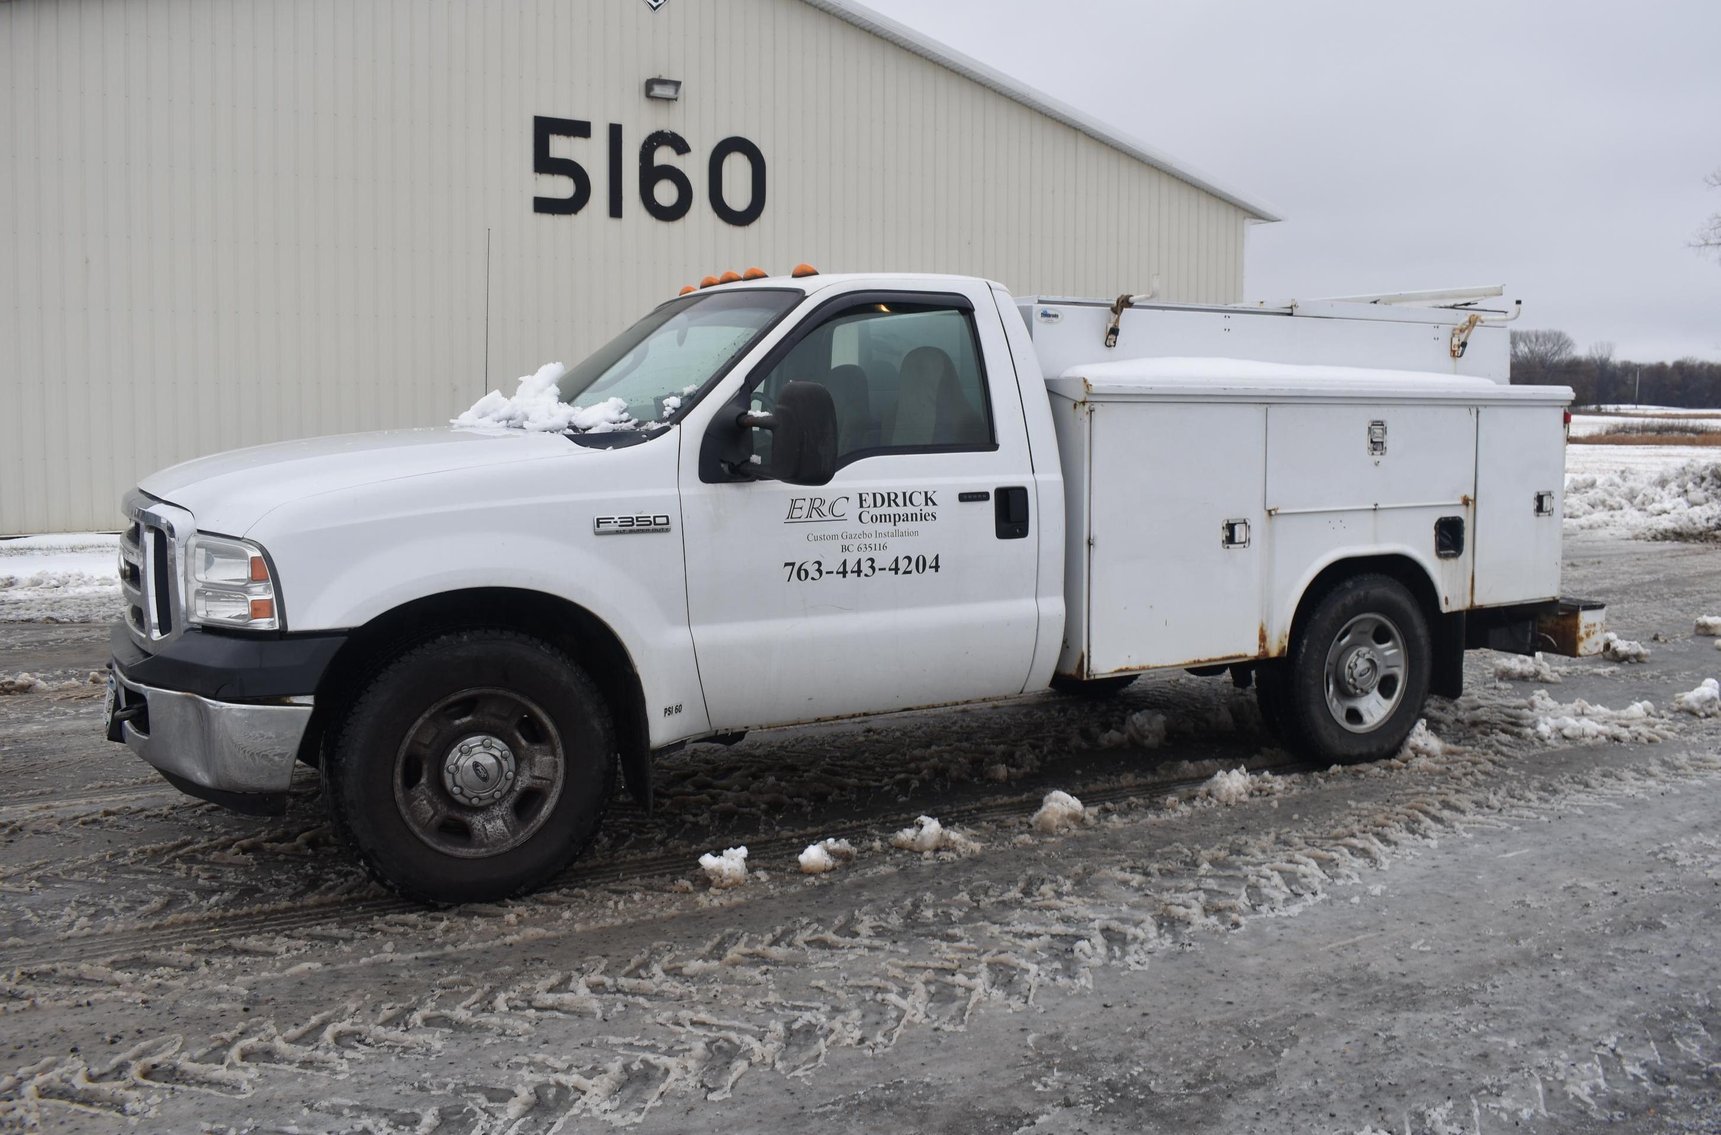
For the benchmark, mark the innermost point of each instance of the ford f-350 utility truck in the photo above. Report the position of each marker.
(790, 499)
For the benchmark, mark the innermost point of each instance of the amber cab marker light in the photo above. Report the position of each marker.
(708, 282)
(804, 270)
(729, 278)
(755, 274)
(687, 290)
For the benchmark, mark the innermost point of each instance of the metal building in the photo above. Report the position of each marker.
(228, 222)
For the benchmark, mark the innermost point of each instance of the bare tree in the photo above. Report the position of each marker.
(1541, 349)
(1600, 353)
(1709, 236)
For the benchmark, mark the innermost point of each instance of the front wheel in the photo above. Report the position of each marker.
(472, 767)
(1357, 675)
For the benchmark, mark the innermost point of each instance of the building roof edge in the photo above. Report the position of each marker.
(910, 40)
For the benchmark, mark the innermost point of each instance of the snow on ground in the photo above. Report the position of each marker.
(1659, 411)
(1233, 786)
(27, 683)
(825, 856)
(1646, 491)
(1519, 668)
(1143, 730)
(1058, 812)
(725, 870)
(1708, 625)
(928, 835)
(1616, 649)
(1557, 723)
(1423, 743)
(71, 578)
(1704, 701)
(1624, 421)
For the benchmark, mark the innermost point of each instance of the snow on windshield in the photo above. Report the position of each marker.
(537, 405)
(643, 377)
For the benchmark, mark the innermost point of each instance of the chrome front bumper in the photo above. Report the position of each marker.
(238, 754)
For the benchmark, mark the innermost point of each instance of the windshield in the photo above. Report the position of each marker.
(654, 367)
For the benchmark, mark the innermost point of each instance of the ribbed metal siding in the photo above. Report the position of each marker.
(229, 223)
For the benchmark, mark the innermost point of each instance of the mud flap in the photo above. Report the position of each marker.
(1447, 680)
(636, 774)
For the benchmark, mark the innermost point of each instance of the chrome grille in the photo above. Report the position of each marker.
(151, 551)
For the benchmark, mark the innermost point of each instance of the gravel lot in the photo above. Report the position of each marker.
(1501, 930)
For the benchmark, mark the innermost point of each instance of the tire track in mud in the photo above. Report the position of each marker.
(26, 810)
(692, 1020)
(189, 930)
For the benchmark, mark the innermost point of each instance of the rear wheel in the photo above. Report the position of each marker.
(1357, 675)
(472, 767)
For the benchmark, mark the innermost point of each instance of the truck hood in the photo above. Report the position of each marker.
(229, 492)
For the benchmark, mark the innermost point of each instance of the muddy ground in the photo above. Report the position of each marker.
(1506, 929)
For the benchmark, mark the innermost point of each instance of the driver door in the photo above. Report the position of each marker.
(900, 583)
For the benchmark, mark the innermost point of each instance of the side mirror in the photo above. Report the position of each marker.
(803, 434)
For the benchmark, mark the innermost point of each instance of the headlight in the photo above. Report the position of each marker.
(227, 584)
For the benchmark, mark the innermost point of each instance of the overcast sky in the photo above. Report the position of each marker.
(1558, 147)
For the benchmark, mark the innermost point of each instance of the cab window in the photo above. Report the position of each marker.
(904, 378)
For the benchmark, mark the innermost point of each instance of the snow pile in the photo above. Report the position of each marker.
(71, 578)
(1233, 786)
(1653, 503)
(1058, 811)
(27, 683)
(1518, 668)
(1581, 721)
(1704, 701)
(1143, 730)
(1616, 649)
(928, 834)
(1422, 743)
(1708, 625)
(537, 405)
(726, 870)
(825, 855)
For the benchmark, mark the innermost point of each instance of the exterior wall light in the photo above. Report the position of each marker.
(667, 89)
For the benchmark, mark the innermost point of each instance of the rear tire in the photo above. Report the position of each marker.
(1356, 678)
(472, 767)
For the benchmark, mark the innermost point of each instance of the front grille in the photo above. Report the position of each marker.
(159, 589)
(150, 554)
(132, 579)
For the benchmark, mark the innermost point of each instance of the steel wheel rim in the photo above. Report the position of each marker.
(479, 773)
(1365, 672)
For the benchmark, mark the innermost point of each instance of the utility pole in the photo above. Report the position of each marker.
(1637, 389)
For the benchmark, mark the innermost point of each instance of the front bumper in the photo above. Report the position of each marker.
(239, 755)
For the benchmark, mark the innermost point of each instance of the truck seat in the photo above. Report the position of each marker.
(856, 427)
(931, 408)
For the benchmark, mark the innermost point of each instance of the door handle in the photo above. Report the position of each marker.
(1010, 507)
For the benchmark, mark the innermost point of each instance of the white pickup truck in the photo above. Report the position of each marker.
(800, 498)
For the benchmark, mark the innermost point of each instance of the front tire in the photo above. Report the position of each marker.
(1356, 678)
(472, 767)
